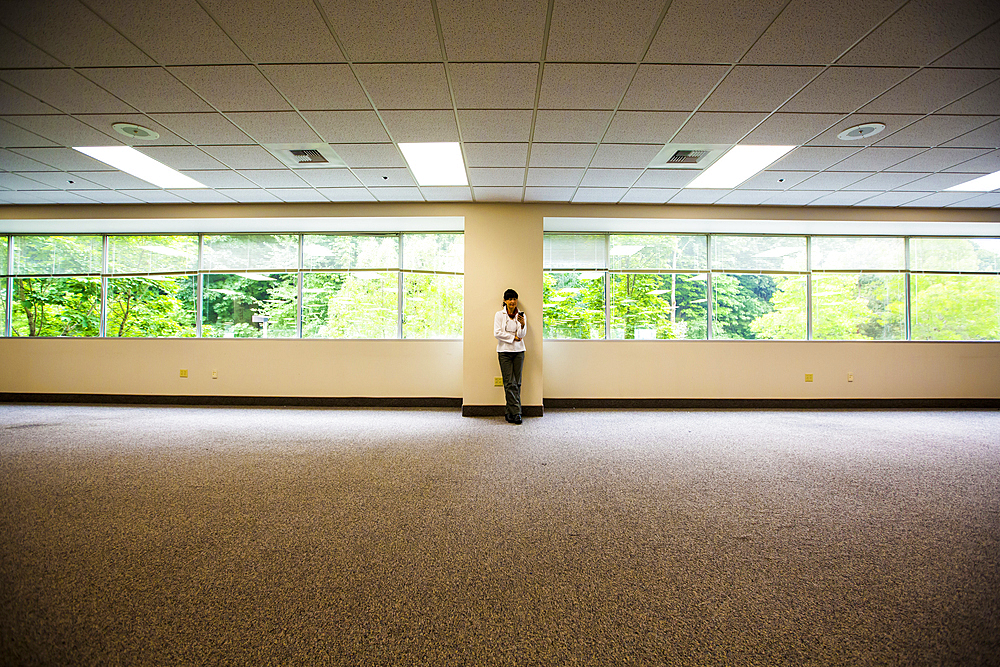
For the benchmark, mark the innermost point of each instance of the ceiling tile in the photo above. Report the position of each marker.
(625, 156)
(877, 159)
(790, 129)
(544, 176)
(111, 180)
(486, 30)
(10, 161)
(69, 31)
(219, 178)
(347, 194)
(420, 126)
(599, 195)
(243, 157)
(937, 159)
(982, 201)
(775, 180)
(104, 123)
(276, 31)
(935, 182)
(987, 136)
(21, 197)
(181, 157)
(406, 85)
(498, 194)
(494, 85)
(570, 126)
(323, 87)
(845, 89)
(697, 196)
(611, 178)
(148, 89)
(984, 164)
(250, 196)
(498, 155)
(64, 130)
(583, 86)
(814, 158)
(66, 159)
(648, 196)
(203, 196)
(979, 51)
(644, 126)
(986, 100)
(666, 178)
(64, 181)
(232, 87)
(343, 127)
(397, 194)
(547, 194)
(19, 182)
(17, 52)
(892, 122)
(717, 128)
(746, 197)
(276, 127)
(498, 176)
(829, 180)
(13, 101)
(273, 178)
(182, 34)
(884, 181)
(561, 155)
(807, 32)
(930, 89)
(755, 88)
(385, 177)
(671, 87)
(592, 30)
(385, 30)
(370, 155)
(935, 130)
(940, 199)
(203, 128)
(66, 90)
(12, 136)
(111, 197)
(447, 194)
(711, 31)
(491, 125)
(796, 197)
(297, 194)
(159, 196)
(922, 31)
(893, 198)
(69, 197)
(845, 198)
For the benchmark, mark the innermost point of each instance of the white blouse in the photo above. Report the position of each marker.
(505, 329)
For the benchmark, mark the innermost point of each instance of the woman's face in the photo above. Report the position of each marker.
(511, 303)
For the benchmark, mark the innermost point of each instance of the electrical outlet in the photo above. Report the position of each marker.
(850, 377)
(498, 382)
(809, 377)
(215, 375)
(184, 372)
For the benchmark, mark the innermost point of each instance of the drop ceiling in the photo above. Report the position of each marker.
(559, 101)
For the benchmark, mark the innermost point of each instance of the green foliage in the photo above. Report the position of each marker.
(573, 305)
(56, 307)
(738, 301)
(432, 306)
(151, 307)
(955, 307)
(651, 305)
(229, 302)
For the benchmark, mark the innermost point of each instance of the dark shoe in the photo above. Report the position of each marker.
(516, 419)
(508, 419)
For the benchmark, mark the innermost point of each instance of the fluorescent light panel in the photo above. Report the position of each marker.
(133, 162)
(737, 165)
(435, 163)
(981, 184)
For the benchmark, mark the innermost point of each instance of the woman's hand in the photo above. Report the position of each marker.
(520, 318)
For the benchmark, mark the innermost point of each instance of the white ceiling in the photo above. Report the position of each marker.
(565, 100)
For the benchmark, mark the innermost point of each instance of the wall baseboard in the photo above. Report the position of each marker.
(246, 401)
(498, 410)
(775, 403)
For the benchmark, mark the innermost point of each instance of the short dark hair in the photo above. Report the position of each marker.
(509, 294)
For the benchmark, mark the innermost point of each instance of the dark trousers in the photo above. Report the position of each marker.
(510, 368)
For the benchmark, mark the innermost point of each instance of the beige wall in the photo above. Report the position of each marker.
(503, 245)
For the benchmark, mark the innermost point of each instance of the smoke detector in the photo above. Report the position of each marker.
(861, 131)
(687, 156)
(306, 156)
(134, 131)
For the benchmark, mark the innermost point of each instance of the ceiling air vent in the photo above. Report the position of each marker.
(306, 156)
(687, 156)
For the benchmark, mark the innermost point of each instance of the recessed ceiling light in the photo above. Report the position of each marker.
(981, 184)
(141, 166)
(861, 131)
(737, 165)
(435, 163)
(136, 131)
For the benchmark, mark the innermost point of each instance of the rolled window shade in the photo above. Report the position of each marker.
(250, 252)
(858, 253)
(573, 251)
(57, 255)
(955, 255)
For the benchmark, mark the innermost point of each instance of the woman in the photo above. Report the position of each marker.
(509, 327)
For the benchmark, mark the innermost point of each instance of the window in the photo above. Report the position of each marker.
(235, 285)
(3, 286)
(727, 286)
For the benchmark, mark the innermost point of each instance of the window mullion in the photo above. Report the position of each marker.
(199, 287)
(103, 328)
(298, 306)
(709, 297)
(809, 309)
(399, 290)
(607, 287)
